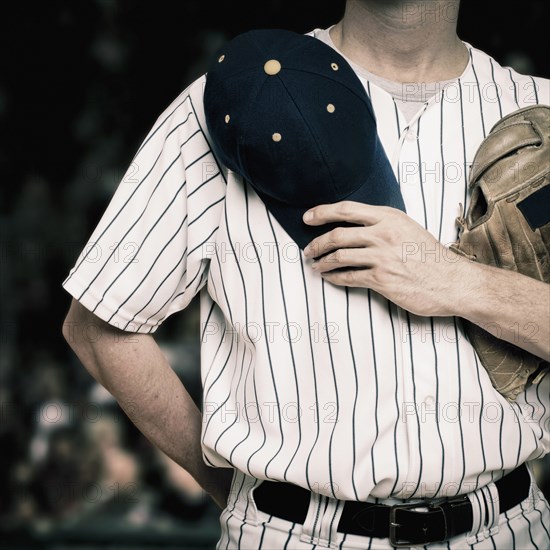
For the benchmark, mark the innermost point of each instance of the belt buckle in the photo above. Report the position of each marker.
(395, 525)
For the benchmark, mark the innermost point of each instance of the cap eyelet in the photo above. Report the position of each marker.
(276, 137)
(334, 66)
(272, 67)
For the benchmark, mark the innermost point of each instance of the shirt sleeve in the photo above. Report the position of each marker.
(149, 254)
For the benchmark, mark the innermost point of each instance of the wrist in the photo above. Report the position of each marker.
(469, 296)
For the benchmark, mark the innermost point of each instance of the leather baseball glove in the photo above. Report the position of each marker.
(507, 225)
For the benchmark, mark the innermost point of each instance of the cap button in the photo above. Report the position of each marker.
(272, 67)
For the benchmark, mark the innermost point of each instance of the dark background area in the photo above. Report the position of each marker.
(81, 83)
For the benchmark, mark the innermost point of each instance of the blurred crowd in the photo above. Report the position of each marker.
(82, 83)
(74, 467)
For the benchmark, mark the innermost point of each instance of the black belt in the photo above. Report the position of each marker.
(443, 519)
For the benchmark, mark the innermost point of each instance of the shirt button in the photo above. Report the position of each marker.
(429, 401)
(411, 136)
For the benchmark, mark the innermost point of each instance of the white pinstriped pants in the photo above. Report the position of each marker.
(526, 526)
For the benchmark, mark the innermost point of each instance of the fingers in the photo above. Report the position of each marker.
(343, 258)
(341, 237)
(350, 211)
(349, 277)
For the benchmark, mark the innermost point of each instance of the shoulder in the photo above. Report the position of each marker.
(185, 118)
(195, 93)
(189, 100)
(511, 86)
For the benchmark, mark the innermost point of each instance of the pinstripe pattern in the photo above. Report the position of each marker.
(245, 527)
(390, 404)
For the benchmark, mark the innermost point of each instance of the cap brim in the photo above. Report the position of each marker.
(380, 189)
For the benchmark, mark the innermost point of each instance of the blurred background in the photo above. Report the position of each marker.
(81, 83)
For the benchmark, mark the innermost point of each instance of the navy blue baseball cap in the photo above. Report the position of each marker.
(288, 113)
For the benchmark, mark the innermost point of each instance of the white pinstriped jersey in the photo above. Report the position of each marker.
(332, 388)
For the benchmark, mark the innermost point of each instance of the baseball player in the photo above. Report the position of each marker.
(343, 406)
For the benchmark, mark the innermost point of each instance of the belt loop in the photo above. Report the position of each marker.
(241, 497)
(529, 504)
(330, 521)
(321, 524)
(490, 494)
(485, 512)
(478, 517)
(312, 524)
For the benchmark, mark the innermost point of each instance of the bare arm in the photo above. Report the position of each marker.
(136, 372)
(511, 306)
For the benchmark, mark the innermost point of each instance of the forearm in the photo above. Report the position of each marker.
(511, 306)
(135, 371)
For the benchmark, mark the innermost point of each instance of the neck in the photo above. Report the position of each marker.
(403, 41)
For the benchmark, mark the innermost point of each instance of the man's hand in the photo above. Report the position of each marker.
(391, 254)
(395, 256)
